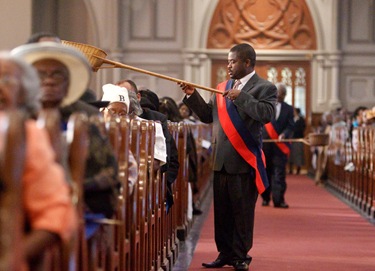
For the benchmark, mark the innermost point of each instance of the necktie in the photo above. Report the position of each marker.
(237, 83)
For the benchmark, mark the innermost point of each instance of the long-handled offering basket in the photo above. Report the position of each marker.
(97, 57)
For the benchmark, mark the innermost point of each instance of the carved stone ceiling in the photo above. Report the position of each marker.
(265, 24)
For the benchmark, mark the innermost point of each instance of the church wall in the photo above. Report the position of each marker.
(357, 42)
(15, 25)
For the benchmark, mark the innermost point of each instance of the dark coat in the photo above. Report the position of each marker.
(283, 125)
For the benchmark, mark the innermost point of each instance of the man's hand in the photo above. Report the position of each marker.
(156, 165)
(232, 94)
(188, 90)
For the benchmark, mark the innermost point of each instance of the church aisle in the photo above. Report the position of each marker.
(318, 232)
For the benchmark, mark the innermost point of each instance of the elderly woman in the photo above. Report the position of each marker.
(50, 215)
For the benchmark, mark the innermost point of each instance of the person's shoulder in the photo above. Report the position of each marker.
(90, 109)
(84, 107)
(288, 106)
(263, 82)
(153, 115)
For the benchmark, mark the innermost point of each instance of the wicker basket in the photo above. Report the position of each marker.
(91, 52)
(318, 139)
(370, 114)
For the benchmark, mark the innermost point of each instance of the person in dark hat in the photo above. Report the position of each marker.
(151, 97)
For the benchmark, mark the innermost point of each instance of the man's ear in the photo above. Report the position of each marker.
(248, 63)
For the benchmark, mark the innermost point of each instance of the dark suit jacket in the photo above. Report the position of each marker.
(256, 106)
(283, 125)
(299, 128)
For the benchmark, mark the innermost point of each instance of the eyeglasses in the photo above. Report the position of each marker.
(8, 81)
(114, 112)
(58, 76)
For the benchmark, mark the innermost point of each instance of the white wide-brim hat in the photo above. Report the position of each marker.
(76, 63)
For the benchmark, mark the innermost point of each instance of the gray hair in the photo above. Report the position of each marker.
(135, 106)
(281, 86)
(30, 84)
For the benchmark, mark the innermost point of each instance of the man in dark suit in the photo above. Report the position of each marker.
(277, 153)
(238, 116)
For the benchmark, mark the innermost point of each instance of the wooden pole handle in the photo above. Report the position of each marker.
(121, 65)
(303, 140)
(313, 139)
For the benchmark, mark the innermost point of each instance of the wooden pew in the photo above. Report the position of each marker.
(171, 220)
(356, 186)
(202, 134)
(182, 223)
(143, 192)
(113, 233)
(104, 249)
(112, 242)
(57, 258)
(144, 237)
(348, 174)
(369, 186)
(73, 153)
(50, 120)
(152, 204)
(12, 156)
(77, 144)
(135, 253)
(124, 212)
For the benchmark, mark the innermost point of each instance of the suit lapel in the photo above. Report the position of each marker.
(251, 83)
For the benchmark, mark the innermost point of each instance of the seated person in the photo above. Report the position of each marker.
(115, 95)
(49, 212)
(64, 73)
(115, 102)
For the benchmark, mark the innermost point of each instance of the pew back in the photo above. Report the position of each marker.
(12, 157)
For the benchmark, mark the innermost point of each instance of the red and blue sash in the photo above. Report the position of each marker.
(240, 137)
(271, 131)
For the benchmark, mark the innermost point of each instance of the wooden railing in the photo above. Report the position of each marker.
(141, 235)
(351, 171)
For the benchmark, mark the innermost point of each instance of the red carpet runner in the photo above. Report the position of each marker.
(317, 233)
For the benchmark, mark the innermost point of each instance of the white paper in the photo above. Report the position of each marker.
(206, 144)
(160, 148)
